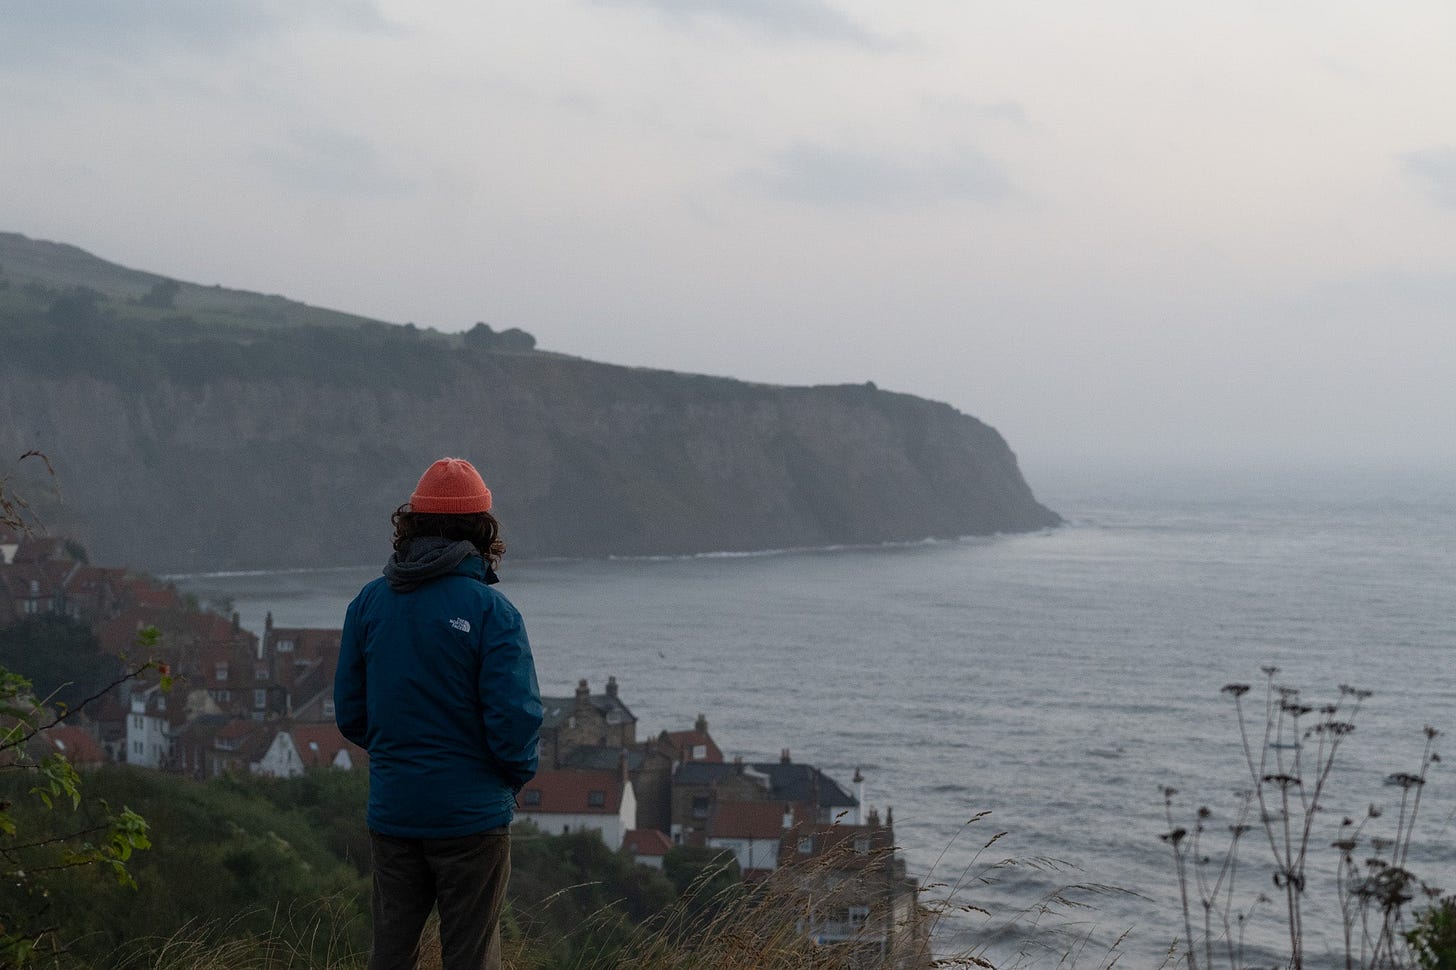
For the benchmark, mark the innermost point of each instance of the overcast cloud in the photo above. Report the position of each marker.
(1150, 232)
(829, 177)
(1435, 170)
(788, 18)
(41, 34)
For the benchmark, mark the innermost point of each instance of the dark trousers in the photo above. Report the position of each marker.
(465, 877)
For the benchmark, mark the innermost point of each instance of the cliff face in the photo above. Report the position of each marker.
(585, 460)
(196, 428)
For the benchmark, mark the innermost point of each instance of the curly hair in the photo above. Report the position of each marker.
(480, 529)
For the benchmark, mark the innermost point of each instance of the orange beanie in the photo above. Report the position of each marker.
(450, 486)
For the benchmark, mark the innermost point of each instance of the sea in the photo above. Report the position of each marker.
(1022, 703)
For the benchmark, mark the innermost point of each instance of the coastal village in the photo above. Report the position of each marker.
(240, 703)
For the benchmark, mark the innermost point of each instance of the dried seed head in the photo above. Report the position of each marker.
(1283, 781)
(1238, 690)
(1404, 780)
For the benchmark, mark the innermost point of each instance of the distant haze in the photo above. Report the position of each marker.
(1139, 232)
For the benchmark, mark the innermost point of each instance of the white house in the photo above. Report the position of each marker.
(752, 830)
(647, 847)
(306, 746)
(148, 728)
(571, 800)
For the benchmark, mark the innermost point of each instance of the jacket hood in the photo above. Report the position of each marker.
(430, 557)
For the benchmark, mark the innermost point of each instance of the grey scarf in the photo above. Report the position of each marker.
(425, 559)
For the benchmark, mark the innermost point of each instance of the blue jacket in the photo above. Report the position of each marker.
(438, 684)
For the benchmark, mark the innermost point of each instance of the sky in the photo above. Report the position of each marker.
(1123, 233)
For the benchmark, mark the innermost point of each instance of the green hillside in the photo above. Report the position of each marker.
(35, 273)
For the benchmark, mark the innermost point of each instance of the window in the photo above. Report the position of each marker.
(223, 696)
(260, 672)
(220, 670)
(858, 915)
(531, 796)
(136, 722)
(161, 702)
(285, 646)
(329, 708)
(700, 751)
(596, 799)
(862, 845)
(701, 804)
(138, 747)
(260, 698)
(806, 845)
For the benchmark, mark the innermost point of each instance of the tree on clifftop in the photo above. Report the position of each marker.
(483, 337)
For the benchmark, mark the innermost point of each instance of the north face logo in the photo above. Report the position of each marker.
(462, 625)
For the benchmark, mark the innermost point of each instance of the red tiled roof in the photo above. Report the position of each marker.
(75, 745)
(238, 729)
(568, 792)
(646, 842)
(746, 820)
(686, 741)
(319, 744)
(311, 642)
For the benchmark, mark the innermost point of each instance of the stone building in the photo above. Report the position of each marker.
(585, 720)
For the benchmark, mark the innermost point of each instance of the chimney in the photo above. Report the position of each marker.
(701, 724)
(583, 694)
(237, 621)
(612, 687)
(858, 794)
(784, 756)
(268, 624)
(738, 763)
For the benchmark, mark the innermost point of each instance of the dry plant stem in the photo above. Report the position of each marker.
(1174, 838)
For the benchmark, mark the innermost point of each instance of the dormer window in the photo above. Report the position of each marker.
(220, 670)
(532, 796)
(284, 646)
(700, 751)
(596, 799)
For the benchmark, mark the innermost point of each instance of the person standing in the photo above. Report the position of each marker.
(436, 681)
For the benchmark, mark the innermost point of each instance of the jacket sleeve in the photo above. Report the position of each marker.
(351, 708)
(510, 698)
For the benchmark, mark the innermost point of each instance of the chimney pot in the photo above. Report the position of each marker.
(611, 686)
(784, 756)
(701, 724)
